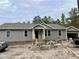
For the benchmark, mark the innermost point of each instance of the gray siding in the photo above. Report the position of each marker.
(20, 35)
(16, 36)
(18, 31)
(55, 34)
(64, 34)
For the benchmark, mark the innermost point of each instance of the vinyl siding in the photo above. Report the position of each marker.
(16, 36)
(55, 35)
(20, 35)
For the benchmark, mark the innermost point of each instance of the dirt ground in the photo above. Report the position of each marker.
(23, 52)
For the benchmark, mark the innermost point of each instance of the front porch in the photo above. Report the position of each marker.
(38, 34)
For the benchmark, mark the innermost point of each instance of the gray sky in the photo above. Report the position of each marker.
(24, 10)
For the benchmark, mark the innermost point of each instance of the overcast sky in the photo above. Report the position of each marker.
(24, 10)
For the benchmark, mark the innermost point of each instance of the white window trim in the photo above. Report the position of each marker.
(27, 33)
(6, 33)
(60, 32)
(48, 33)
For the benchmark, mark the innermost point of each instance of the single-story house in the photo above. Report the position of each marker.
(11, 32)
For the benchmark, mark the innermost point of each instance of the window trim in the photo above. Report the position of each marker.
(49, 33)
(45, 32)
(8, 34)
(25, 33)
(59, 32)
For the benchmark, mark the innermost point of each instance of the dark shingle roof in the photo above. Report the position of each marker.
(27, 26)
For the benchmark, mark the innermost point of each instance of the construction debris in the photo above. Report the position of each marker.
(44, 44)
(25, 53)
(41, 49)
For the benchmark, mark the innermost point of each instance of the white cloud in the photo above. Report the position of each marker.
(4, 4)
(25, 5)
(7, 6)
(4, 1)
(38, 0)
(14, 9)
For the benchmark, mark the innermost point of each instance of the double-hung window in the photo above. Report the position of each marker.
(45, 33)
(8, 34)
(25, 33)
(59, 32)
(48, 32)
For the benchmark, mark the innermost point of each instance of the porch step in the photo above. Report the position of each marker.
(39, 41)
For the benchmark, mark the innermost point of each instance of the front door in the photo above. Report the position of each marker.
(36, 34)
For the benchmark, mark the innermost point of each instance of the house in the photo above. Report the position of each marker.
(11, 32)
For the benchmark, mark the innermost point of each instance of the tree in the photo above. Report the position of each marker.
(37, 19)
(58, 22)
(73, 14)
(28, 22)
(50, 19)
(18, 22)
(73, 18)
(24, 22)
(63, 19)
(47, 20)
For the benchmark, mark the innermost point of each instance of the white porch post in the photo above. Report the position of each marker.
(66, 34)
(33, 34)
(43, 33)
(78, 34)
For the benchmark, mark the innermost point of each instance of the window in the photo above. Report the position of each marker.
(45, 33)
(8, 33)
(48, 32)
(25, 33)
(59, 33)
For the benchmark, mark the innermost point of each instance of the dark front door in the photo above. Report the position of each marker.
(36, 34)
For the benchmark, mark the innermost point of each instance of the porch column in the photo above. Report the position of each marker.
(33, 34)
(66, 35)
(43, 33)
(78, 34)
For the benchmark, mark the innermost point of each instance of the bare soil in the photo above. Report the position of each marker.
(23, 52)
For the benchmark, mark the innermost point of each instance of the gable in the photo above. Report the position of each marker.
(47, 26)
(41, 26)
(38, 27)
(71, 28)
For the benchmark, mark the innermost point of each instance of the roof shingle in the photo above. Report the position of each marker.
(28, 26)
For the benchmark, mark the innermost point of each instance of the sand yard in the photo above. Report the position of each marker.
(23, 52)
